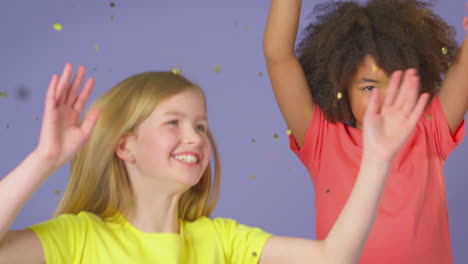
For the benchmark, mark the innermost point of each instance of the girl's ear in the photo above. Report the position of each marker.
(123, 151)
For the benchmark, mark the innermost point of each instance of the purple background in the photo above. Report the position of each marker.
(194, 36)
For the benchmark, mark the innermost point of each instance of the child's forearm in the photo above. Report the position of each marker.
(17, 187)
(281, 28)
(348, 236)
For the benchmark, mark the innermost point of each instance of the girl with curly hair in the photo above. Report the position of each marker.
(349, 50)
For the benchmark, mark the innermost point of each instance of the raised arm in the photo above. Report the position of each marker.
(383, 136)
(454, 91)
(286, 75)
(60, 139)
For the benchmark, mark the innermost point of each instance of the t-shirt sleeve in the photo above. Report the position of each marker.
(313, 141)
(242, 244)
(61, 238)
(434, 119)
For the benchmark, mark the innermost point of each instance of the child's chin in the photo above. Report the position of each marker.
(189, 182)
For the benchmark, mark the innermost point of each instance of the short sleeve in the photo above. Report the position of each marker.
(61, 238)
(241, 244)
(313, 141)
(435, 120)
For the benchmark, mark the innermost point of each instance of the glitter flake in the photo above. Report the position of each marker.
(339, 95)
(57, 27)
(176, 70)
(444, 51)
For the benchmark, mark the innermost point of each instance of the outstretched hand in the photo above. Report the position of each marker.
(61, 135)
(388, 124)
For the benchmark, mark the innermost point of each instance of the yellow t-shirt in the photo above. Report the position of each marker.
(86, 238)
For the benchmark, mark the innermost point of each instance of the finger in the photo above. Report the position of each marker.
(392, 88)
(83, 96)
(373, 107)
(75, 85)
(89, 122)
(63, 83)
(50, 101)
(409, 91)
(408, 85)
(418, 110)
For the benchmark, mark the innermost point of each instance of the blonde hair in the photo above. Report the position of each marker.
(99, 182)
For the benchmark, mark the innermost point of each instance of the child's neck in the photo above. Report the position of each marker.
(155, 214)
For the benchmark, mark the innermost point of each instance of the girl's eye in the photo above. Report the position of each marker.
(173, 122)
(201, 128)
(368, 88)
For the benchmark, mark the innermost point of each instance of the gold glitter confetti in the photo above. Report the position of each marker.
(57, 27)
(254, 254)
(288, 132)
(428, 116)
(275, 136)
(247, 27)
(339, 95)
(3, 94)
(425, 10)
(253, 176)
(260, 74)
(57, 192)
(96, 48)
(444, 51)
(374, 68)
(112, 18)
(176, 70)
(217, 69)
(112, 4)
(253, 140)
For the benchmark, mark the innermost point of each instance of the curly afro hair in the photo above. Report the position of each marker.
(398, 34)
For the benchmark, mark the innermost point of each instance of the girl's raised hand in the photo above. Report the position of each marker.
(388, 124)
(61, 135)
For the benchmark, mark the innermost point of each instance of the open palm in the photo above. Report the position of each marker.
(61, 135)
(388, 124)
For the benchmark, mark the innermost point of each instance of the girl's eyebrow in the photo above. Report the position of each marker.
(176, 113)
(364, 79)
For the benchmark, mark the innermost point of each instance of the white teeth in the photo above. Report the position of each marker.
(187, 158)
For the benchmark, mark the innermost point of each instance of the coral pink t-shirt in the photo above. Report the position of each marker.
(412, 221)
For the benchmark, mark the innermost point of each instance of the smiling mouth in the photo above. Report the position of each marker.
(188, 158)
